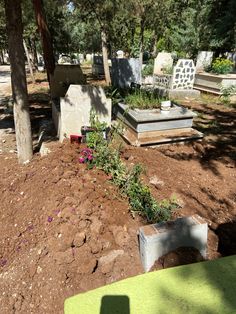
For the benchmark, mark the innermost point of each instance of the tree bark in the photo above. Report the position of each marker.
(142, 25)
(18, 80)
(45, 38)
(34, 51)
(29, 62)
(105, 57)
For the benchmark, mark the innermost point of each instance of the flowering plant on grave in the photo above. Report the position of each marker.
(86, 156)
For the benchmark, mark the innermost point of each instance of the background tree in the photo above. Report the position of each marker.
(18, 79)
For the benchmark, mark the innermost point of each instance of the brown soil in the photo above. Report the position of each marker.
(181, 256)
(65, 229)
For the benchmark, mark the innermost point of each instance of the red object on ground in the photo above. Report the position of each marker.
(75, 138)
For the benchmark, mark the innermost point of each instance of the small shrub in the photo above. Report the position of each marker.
(107, 158)
(222, 66)
(148, 69)
(227, 91)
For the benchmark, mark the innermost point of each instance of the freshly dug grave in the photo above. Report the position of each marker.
(65, 229)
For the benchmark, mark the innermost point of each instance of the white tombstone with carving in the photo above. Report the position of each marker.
(183, 75)
(204, 60)
(76, 106)
(163, 61)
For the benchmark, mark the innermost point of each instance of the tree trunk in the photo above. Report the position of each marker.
(45, 38)
(105, 57)
(142, 24)
(18, 80)
(29, 62)
(34, 51)
(1, 57)
(154, 49)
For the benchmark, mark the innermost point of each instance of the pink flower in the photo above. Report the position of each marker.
(90, 157)
(81, 160)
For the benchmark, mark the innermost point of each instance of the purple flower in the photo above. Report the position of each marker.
(3, 262)
(50, 219)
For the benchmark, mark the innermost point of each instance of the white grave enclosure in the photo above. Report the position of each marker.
(75, 109)
(162, 61)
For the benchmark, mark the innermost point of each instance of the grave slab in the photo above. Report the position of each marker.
(159, 239)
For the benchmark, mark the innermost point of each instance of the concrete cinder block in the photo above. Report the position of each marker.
(159, 239)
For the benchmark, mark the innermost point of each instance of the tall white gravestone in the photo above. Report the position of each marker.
(76, 107)
(162, 61)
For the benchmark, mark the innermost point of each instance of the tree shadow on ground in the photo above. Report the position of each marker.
(219, 129)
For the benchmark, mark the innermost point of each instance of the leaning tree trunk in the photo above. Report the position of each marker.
(142, 26)
(45, 38)
(29, 62)
(105, 57)
(18, 80)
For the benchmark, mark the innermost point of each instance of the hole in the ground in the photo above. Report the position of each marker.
(227, 238)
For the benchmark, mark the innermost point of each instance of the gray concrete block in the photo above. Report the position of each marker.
(159, 239)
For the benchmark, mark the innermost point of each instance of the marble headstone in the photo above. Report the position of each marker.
(162, 61)
(76, 107)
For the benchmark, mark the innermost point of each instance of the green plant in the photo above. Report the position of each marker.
(227, 91)
(96, 136)
(106, 157)
(142, 100)
(222, 66)
(167, 70)
(148, 69)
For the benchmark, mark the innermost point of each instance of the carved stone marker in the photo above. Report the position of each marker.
(162, 61)
(159, 239)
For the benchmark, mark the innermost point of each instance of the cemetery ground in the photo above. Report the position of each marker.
(65, 229)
